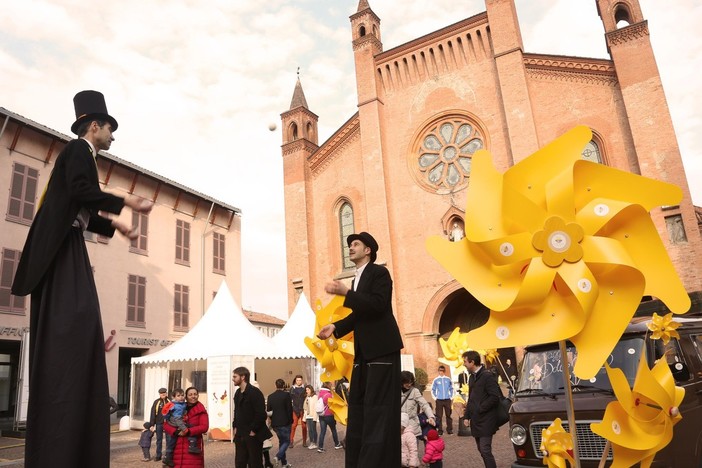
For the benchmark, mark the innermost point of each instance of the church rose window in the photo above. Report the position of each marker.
(441, 159)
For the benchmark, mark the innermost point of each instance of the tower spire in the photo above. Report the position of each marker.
(298, 99)
(363, 5)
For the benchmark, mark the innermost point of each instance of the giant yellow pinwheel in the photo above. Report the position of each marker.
(557, 446)
(561, 248)
(640, 422)
(334, 355)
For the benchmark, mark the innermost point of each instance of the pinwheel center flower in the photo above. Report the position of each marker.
(559, 242)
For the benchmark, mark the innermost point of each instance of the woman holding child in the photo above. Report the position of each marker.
(198, 423)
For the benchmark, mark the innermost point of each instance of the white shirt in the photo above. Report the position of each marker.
(359, 272)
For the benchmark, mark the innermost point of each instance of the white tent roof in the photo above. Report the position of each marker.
(222, 331)
(290, 340)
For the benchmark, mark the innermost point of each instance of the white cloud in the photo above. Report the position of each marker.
(194, 85)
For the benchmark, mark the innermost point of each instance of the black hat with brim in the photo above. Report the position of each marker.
(90, 105)
(367, 240)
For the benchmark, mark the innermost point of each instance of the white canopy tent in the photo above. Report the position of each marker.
(221, 341)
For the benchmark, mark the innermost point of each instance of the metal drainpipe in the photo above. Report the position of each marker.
(202, 262)
(2, 131)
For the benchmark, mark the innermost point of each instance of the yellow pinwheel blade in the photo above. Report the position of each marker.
(635, 230)
(557, 318)
(484, 218)
(339, 408)
(620, 293)
(531, 175)
(619, 428)
(494, 286)
(592, 180)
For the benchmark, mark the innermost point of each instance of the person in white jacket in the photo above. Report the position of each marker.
(310, 415)
(409, 443)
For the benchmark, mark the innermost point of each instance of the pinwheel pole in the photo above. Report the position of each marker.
(570, 412)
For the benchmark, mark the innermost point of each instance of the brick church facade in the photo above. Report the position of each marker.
(399, 167)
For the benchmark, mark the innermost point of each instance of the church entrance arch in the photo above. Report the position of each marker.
(453, 306)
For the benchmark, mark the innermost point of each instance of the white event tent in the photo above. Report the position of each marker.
(205, 357)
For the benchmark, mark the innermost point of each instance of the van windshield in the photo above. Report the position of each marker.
(542, 368)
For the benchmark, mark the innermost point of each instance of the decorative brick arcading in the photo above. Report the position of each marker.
(297, 145)
(326, 154)
(563, 69)
(629, 33)
(367, 39)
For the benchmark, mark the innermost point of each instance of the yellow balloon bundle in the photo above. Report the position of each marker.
(561, 249)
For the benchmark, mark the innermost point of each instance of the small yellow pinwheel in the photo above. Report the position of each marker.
(464, 389)
(663, 328)
(453, 348)
(340, 408)
(491, 355)
(557, 446)
(557, 246)
(458, 398)
(334, 355)
(640, 422)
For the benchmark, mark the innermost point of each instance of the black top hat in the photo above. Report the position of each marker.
(90, 105)
(367, 240)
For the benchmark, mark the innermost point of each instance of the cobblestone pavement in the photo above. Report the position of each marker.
(460, 452)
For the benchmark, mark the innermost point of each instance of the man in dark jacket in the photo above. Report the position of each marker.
(372, 441)
(249, 423)
(281, 412)
(481, 408)
(156, 421)
(67, 345)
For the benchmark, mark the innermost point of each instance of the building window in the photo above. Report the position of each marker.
(23, 193)
(441, 159)
(182, 242)
(592, 152)
(676, 229)
(218, 253)
(346, 228)
(141, 221)
(136, 301)
(8, 302)
(181, 307)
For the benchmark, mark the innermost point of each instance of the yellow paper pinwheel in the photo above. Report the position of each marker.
(561, 248)
(663, 328)
(335, 356)
(491, 355)
(340, 408)
(464, 389)
(640, 422)
(556, 445)
(453, 348)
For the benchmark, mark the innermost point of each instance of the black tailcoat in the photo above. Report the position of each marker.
(68, 410)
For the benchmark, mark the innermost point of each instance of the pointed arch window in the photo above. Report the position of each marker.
(592, 152)
(346, 228)
(293, 131)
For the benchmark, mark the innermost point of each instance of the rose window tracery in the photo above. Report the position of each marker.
(442, 157)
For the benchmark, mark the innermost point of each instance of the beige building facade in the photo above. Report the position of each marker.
(152, 291)
(399, 167)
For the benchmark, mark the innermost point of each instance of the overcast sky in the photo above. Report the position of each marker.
(195, 84)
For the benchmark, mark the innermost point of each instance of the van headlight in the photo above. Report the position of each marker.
(518, 434)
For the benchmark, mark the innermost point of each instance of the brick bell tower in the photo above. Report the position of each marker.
(657, 154)
(300, 140)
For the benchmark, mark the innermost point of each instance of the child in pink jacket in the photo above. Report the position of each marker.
(434, 451)
(409, 443)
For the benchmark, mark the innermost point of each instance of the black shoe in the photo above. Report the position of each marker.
(441, 432)
(168, 462)
(157, 459)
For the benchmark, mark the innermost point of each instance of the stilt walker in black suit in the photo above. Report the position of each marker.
(373, 433)
(68, 413)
